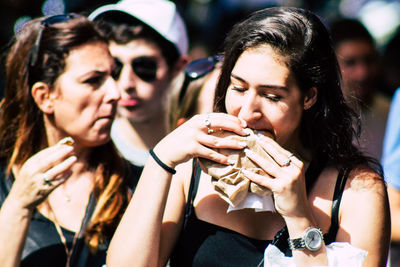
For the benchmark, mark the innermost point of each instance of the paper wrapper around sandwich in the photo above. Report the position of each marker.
(228, 180)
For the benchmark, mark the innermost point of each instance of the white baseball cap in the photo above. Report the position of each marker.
(160, 15)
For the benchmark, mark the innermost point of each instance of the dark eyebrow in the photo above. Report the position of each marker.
(238, 78)
(91, 73)
(265, 86)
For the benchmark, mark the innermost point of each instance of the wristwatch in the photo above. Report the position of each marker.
(312, 240)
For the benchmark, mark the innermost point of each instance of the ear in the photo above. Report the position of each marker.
(310, 98)
(43, 97)
(179, 65)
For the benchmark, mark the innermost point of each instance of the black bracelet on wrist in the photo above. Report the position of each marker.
(162, 164)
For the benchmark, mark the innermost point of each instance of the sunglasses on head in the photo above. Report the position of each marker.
(144, 67)
(197, 69)
(43, 24)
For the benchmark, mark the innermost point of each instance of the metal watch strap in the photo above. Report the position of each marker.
(297, 243)
(301, 243)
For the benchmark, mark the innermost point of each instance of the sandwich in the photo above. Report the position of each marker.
(228, 180)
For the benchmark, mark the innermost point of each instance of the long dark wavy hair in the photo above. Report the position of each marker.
(330, 128)
(22, 131)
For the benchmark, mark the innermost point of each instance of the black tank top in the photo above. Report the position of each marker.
(205, 244)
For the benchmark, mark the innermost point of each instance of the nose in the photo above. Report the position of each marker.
(250, 109)
(126, 81)
(112, 93)
(361, 71)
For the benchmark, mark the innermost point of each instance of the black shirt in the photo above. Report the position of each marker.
(204, 244)
(43, 247)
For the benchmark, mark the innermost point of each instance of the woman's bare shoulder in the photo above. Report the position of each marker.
(365, 209)
(365, 193)
(364, 178)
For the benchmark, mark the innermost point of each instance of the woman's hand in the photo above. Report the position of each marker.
(285, 178)
(193, 139)
(41, 174)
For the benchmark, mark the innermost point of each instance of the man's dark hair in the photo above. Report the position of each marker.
(349, 29)
(123, 28)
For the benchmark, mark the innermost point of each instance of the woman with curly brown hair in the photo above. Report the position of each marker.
(63, 186)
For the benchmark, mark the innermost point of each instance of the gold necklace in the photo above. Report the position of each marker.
(62, 237)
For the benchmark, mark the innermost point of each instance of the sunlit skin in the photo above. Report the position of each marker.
(270, 102)
(140, 100)
(85, 95)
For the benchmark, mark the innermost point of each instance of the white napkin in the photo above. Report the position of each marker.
(253, 201)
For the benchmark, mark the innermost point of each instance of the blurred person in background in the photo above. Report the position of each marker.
(360, 64)
(149, 43)
(391, 168)
(391, 144)
(63, 186)
(195, 95)
(391, 63)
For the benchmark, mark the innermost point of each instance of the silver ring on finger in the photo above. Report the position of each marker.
(286, 163)
(207, 123)
(46, 179)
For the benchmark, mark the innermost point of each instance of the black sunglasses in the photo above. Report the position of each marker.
(144, 67)
(197, 69)
(43, 24)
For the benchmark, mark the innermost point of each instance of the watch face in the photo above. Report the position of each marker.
(313, 239)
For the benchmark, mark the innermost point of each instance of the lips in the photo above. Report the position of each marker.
(128, 102)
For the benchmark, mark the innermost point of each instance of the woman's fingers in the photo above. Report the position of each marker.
(229, 141)
(263, 180)
(57, 174)
(42, 173)
(266, 163)
(281, 156)
(282, 175)
(194, 139)
(48, 157)
(213, 155)
(213, 122)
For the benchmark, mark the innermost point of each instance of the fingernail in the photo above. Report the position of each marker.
(247, 151)
(231, 161)
(67, 141)
(247, 131)
(243, 144)
(243, 123)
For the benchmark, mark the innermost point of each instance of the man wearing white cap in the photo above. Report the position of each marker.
(149, 43)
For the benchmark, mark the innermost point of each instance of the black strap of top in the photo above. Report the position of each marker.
(81, 253)
(337, 197)
(194, 184)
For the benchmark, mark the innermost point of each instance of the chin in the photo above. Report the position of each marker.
(98, 142)
(126, 112)
(138, 117)
(98, 139)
